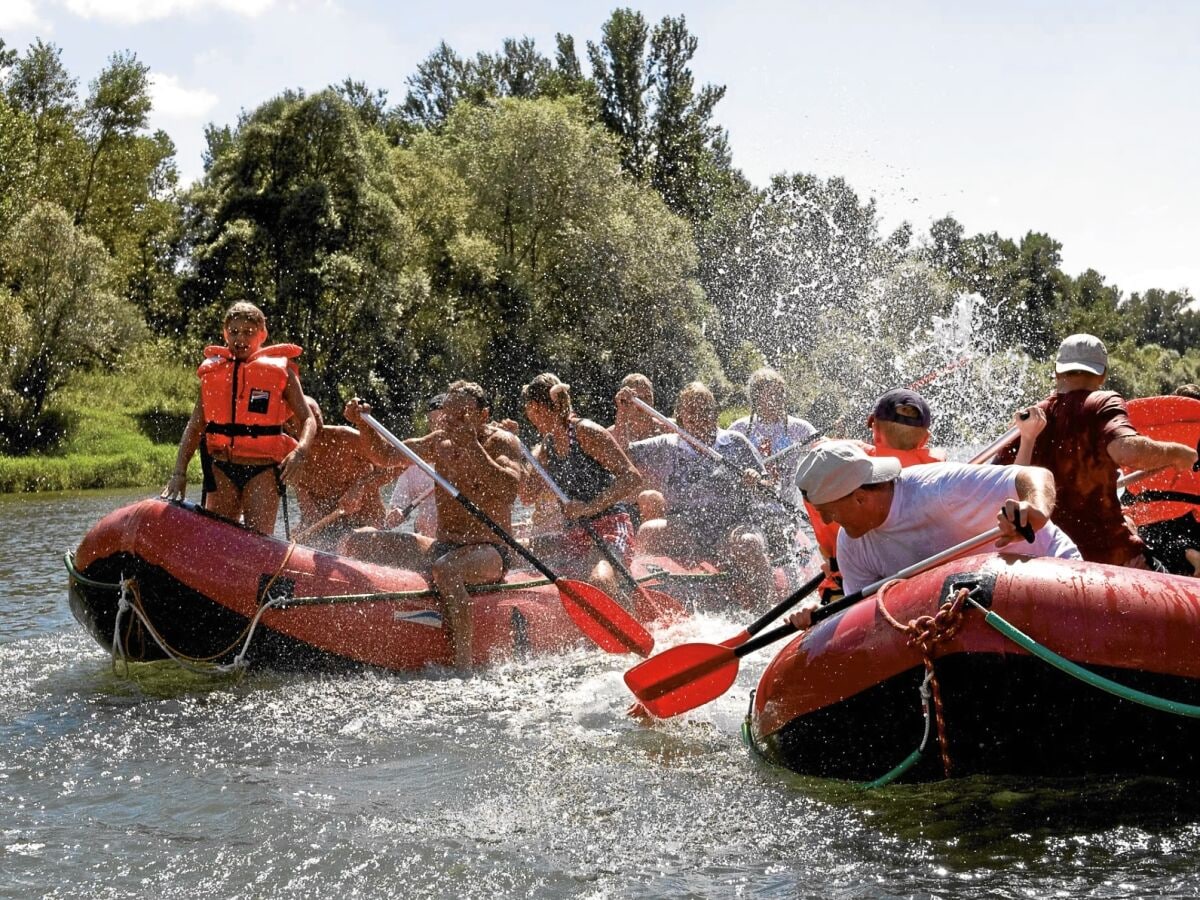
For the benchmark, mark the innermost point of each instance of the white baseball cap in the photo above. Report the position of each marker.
(835, 469)
(1082, 353)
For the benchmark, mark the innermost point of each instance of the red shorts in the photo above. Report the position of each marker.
(614, 528)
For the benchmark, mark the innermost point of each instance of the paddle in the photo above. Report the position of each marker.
(712, 454)
(598, 616)
(654, 599)
(328, 519)
(690, 675)
(413, 504)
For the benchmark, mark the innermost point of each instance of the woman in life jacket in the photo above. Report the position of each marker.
(247, 392)
(586, 462)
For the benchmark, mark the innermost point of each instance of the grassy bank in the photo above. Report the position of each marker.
(124, 430)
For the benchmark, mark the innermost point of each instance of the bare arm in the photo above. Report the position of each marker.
(294, 395)
(498, 454)
(176, 487)
(1033, 506)
(532, 488)
(1137, 451)
(374, 446)
(601, 446)
(1029, 422)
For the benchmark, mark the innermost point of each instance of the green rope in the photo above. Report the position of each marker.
(887, 778)
(69, 561)
(1088, 677)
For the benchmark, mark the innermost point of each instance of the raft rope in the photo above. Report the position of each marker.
(130, 602)
(925, 633)
(422, 593)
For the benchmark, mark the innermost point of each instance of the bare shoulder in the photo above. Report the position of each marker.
(499, 440)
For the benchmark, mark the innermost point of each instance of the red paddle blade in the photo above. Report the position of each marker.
(683, 678)
(737, 640)
(603, 619)
(655, 606)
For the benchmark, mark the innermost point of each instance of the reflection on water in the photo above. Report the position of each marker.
(523, 780)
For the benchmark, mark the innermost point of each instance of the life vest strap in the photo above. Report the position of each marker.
(237, 429)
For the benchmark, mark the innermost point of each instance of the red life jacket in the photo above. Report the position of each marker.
(244, 407)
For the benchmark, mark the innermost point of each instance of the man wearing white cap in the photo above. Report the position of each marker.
(1082, 434)
(892, 518)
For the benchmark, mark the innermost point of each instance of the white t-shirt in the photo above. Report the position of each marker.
(934, 507)
(412, 483)
(774, 436)
(769, 438)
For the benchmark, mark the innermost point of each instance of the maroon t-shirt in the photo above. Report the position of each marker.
(1074, 446)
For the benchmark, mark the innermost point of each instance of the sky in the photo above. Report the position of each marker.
(1077, 118)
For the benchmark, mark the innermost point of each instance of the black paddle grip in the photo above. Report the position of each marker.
(1025, 531)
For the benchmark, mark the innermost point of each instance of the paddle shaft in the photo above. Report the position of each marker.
(710, 452)
(601, 544)
(849, 600)
(454, 492)
(415, 502)
(846, 602)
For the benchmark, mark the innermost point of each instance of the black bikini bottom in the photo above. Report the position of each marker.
(241, 474)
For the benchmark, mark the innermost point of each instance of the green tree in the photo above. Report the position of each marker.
(551, 257)
(60, 314)
(17, 166)
(116, 109)
(40, 87)
(297, 213)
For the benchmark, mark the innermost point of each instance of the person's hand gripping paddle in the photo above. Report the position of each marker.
(690, 675)
(653, 599)
(598, 615)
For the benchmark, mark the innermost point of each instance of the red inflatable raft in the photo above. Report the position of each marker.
(844, 699)
(171, 581)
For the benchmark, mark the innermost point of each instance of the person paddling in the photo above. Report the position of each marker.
(899, 421)
(247, 392)
(769, 428)
(891, 518)
(703, 512)
(586, 462)
(337, 489)
(482, 460)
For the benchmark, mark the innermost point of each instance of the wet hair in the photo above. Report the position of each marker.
(638, 382)
(694, 389)
(899, 436)
(472, 390)
(759, 381)
(1188, 390)
(549, 390)
(245, 312)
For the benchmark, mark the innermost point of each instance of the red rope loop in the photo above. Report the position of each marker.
(924, 633)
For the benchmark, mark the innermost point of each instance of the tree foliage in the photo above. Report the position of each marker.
(298, 214)
(59, 312)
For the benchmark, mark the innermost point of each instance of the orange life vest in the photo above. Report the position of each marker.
(243, 402)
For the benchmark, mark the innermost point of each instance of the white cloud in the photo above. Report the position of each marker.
(19, 14)
(174, 101)
(133, 12)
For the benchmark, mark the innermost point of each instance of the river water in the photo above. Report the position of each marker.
(525, 780)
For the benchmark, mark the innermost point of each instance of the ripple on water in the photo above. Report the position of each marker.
(523, 780)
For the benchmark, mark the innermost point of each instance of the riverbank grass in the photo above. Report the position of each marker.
(124, 430)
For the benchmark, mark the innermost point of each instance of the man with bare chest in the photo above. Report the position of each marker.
(481, 460)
